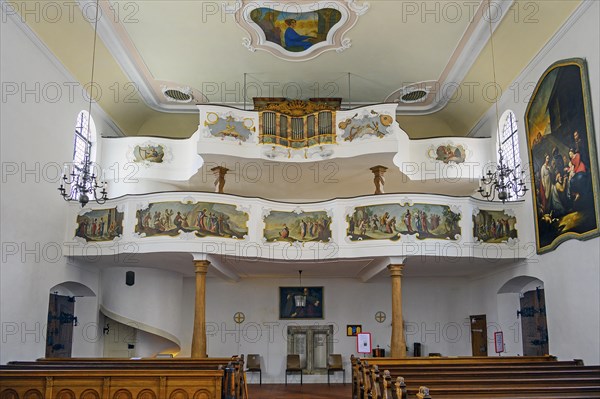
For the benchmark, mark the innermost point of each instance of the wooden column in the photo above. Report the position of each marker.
(199, 336)
(378, 180)
(219, 172)
(398, 342)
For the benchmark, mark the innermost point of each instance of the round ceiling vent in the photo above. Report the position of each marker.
(177, 95)
(413, 96)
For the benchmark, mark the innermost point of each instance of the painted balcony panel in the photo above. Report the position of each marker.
(128, 160)
(381, 225)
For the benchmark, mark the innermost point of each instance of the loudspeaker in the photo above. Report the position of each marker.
(130, 278)
(416, 349)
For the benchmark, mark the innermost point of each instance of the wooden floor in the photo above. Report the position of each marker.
(297, 391)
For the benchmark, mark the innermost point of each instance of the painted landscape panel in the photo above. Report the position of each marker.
(390, 221)
(100, 225)
(494, 226)
(302, 227)
(202, 218)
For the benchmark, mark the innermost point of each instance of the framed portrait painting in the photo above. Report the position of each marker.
(313, 304)
(562, 156)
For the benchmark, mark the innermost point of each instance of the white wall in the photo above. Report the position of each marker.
(510, 324)
(434, 311)
(36, 136)
(570, 274)
(126, 341)
(87, 335)
(150, 304)
(118, 338)
(150, 345)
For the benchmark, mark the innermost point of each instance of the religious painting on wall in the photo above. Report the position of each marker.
(301, 227)
(448, 153)
(366, 126)
(229, 126)
(312, 307)
(295, 31)
(494, 226)
(391, 221)
(100, 225)
(203, 219)
(562, 155)
(149, 153)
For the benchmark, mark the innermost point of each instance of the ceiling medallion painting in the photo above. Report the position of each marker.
(299, 30)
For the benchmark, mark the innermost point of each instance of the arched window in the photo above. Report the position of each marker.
(85, 135)
(84, 155)
(509, 143)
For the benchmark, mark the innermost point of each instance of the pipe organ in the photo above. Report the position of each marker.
(297, 123)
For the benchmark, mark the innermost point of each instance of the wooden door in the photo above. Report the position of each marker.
(59, 334)
(313, 344)
(533, 323)
(320, 353)
(479, 342)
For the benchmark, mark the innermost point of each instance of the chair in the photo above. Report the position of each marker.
(334, 363)
(293, 366)
(253, 365)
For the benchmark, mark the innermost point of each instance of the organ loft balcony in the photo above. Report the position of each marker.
(291, 175)
(304, 150)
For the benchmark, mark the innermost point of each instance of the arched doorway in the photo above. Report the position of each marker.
(62, 318)
(522, 307)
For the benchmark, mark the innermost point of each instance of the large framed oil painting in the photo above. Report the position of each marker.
(391, 221)
(203, 219)
(297, 227)
(562, 154)
(100, 225)
(313, 308)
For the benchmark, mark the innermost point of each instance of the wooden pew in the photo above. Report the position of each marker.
(232, 379)
(543, 377)
(462, 360)
(110, 384)
(381, 386)
(423, 393)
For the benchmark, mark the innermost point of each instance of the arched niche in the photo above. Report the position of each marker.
(522, 316)
(72, 288)
(63, 316)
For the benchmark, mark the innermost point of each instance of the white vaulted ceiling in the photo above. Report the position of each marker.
(194, 43)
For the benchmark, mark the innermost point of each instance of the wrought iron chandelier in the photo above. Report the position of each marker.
(504, 181)
(300, 298)
(82, 181)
